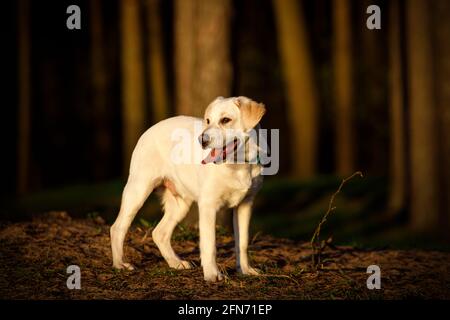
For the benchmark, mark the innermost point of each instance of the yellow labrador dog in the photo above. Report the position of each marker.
(196, 160)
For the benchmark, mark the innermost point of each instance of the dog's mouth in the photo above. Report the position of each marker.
(218, 155)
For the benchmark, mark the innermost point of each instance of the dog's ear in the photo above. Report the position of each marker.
(251, 111)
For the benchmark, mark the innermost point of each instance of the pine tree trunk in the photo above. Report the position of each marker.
(101, 112)
(157, 63)
(301, 92)
(397, 125)
(202, 60)
(133, 94)
(422, 120)
(24, 104)
(184, 18)
(202, 53)
(372, 85)
(343, 82)
(442, 29)
(213, 57)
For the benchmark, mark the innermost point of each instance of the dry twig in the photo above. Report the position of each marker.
(317, 246)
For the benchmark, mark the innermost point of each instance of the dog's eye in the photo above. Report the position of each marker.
(225, 120)
(207, 121)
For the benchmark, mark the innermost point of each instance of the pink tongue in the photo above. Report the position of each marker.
(219, 154)
(214, 155)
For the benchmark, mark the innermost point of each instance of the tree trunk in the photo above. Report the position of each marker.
(442, 29)
(397, 126)
(422, 121)
(301, 92)
(213, 58)
(184, 18)
(101, 112)
(202, 53)
(343, 81)
(370, 91)
(202, 60)
(24, 103)
(157, 63)
(133, 94)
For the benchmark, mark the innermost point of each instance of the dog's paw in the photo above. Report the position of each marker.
(249, 271)
(214, 276)
(124, 266)
(181, 265)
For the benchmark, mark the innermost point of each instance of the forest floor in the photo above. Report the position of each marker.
(34, 256)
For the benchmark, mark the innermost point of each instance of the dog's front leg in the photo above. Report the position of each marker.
(207, 226)
(241, 221)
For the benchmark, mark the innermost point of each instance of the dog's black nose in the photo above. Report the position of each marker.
(204, 140)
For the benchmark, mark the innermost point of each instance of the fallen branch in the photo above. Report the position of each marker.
(318, 246)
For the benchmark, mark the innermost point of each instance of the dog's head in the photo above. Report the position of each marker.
(227, 123)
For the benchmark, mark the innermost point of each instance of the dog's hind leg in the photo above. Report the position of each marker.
(175, 209)
(241, 221)
(134, 195)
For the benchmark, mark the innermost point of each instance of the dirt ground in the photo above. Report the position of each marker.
(34, 256)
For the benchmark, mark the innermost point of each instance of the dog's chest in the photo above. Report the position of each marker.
(235, 196)
(238, 187)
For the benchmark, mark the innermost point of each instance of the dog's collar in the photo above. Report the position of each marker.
(258, 160)
(247, 150)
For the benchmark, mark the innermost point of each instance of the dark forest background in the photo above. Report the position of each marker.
(344, 97)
